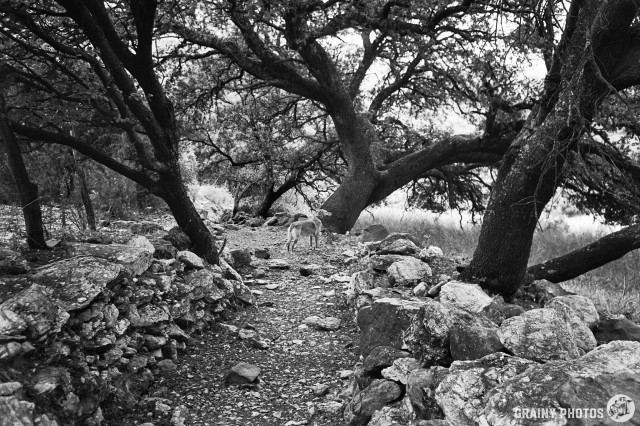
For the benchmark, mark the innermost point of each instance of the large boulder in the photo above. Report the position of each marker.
(375, 232)
(540, 335)
(473, 342)
(421, 388)
(366, 402)
(384, 323)
(616, 329)
(408, 272)
(575, 390)
(469, 297)
(382, 357)
(462, 393)
(583, 335)
(135, 259)
(382, 262)
(582, 306)
(75, 282)
(429, 335)
(400, 246)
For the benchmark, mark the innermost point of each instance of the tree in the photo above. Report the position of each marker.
(596, 57)
(27, 190)
(98, 63)
(421, 48)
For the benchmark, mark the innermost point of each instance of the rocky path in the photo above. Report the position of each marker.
(300, 381)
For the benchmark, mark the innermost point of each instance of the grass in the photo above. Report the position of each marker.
(614, 288)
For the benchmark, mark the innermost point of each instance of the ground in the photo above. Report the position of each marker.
(297, 360)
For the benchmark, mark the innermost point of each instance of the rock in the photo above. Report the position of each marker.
(421, 388)
(462, 393)
(408, 272)
(146, 228)
(243, 293)
(277, 264)
(588, 382)
(400, 246)
(375, 232)
(582, 334)
(430, 252)
(262, 253)
(509, 310)
(272, 286)
(178, 238)
(582, 306)
(242, 373)
(10, 388)
(50, 378)
(12, 262)
(429, 335)
(147, 316)
(469, 297)
(544, 290)
(400, 369)
(399, 236)
(308, 270)
(381, 357)
(331, 407)
(141, 242)
(616, 329)
(154, 342)
(98, 238)
(474, 342)
(34, 306)
(9, 351)
(320, 389)
(166, 365)
(384, 322)
(366, 402)
(272, 221)
(328, 323)
(11, 323)
(397, 414)
(190, 259)
(382, 262)
(228, 272)
(16, 412)
(241, 258)
(163, 249)
(540, 335)
(179, 416)
(420, 290)
(134, 259)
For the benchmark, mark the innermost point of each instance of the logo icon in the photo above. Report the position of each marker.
(620, 408)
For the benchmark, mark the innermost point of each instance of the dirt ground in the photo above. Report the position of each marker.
(300, 361)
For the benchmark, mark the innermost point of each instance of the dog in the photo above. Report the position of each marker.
(310, 227)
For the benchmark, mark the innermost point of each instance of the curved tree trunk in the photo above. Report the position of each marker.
(176, 196)
(592, 256)
(27, 190)
(271, 196)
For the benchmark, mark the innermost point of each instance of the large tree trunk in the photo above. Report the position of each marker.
(176, 195)
(27, 190)
(360, 146)
(605, 250)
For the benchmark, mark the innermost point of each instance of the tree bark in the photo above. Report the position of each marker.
(27, 190)
(271, 196)
(176, 195)
(573, 264)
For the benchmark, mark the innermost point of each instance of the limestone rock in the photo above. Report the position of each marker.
(11, 323)
(190, 259)
(544, 290)
(617, 329)
(429, 335)
(540, 335)
(141, 242)
(582, 306)
(582, 334)
(384, 323)
(400, 246)
(148, 316)
(399, 236)
(375, 232)
(382, 262)
(134, 259)
(400, 369)
(430, 252)
(277, 264)
(381, 357)
(469, 297)
(75, 282)
(242, 373)
(397, 414)
(327, 323)
(589, 381)
(366, 402)
(16, 412)
(463, 392)
(420, 290)
(408, 272)
(241, 258)
(34, 306)
(421, 388)
(474, 342)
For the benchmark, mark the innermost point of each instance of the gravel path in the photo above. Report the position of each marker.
(300, 380)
